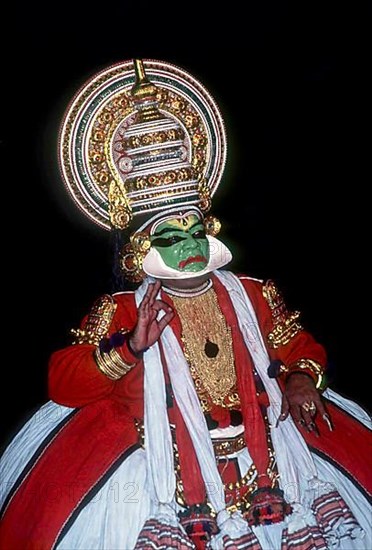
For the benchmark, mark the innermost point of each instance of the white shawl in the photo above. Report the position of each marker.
(295, 464)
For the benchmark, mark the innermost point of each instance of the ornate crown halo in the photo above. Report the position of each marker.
(139, 138)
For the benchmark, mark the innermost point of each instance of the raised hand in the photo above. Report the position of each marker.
(148, 328)
(303, 401)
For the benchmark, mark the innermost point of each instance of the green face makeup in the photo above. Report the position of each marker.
(182, 243)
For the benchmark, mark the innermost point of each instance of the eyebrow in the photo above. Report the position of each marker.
(167, 229)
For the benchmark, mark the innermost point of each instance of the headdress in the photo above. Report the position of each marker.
(140, 138)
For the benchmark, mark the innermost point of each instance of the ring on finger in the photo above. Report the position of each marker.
(306, 406)
(312, 407)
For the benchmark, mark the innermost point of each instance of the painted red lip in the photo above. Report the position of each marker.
(191, 260)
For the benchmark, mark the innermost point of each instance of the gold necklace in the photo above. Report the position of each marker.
(208, 345)
(188, 292)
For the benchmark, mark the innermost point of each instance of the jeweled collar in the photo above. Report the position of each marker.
(188, 292)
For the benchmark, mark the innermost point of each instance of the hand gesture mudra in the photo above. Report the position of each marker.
(148, 328)
(303, 401)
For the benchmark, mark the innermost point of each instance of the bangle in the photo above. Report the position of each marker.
(314, 369)
(111, 364)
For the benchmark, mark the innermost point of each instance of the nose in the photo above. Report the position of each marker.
(190, 243)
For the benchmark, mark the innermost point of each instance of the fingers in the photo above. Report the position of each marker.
(297, 415)
(322, 411)
(284, 410)
(327, 420)
(306, 420)
(160, 304)
(304, 408)
(151, 292)
(148, 299)
(144, 305)
(153, 311)
(319, 405)
(152, 315)
(165, 320)
(309, 409)
(153, 289)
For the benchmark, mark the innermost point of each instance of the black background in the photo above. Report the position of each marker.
(291, 82)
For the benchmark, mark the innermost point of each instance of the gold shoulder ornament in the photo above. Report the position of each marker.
(98, 322)
(286, 325)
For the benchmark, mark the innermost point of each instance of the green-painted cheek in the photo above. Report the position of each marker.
(173, 255)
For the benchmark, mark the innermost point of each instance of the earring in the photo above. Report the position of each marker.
(132, 256)
(212, 225)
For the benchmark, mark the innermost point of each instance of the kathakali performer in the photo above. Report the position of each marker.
(193, 411)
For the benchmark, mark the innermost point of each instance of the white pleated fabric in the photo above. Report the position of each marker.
(114, 518)
(158, 437)
(26, 442)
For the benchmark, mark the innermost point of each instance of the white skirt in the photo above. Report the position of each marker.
(114, 517)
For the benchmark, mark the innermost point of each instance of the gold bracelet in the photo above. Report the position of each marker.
(118, 361)
(111, 364)
(311, 365)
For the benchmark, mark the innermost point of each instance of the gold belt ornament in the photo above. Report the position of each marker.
(228, 446)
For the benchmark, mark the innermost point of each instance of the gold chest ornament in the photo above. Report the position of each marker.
(208, 348)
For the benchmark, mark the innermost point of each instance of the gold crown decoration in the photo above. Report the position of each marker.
(141, 137)
(132, 256)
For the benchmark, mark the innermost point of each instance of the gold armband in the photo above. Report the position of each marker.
(315, 369)
(111, 363)
(98, 322)
(286, 325)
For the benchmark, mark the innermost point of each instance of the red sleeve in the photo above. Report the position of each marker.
(301, 345)
(74, 379)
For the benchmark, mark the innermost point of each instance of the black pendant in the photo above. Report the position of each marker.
(211, 349)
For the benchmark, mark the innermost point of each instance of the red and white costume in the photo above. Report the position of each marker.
(77, 477)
